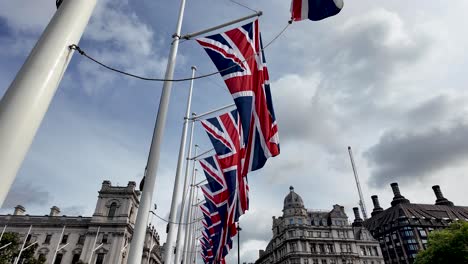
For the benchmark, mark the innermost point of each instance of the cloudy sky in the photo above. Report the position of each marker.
(385, 77)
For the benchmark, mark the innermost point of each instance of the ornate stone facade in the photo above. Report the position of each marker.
(304, 236)
(403, 228)
(108, 231)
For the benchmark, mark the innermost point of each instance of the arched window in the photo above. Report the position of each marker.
(112, 209)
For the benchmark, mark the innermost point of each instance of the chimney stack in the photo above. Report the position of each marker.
(19, 210)
(377, 208)
(54, 211)
(357, 218)
(397, 198)
(441, 200)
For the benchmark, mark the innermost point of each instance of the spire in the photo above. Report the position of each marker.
(377, 208)
(397, 198)
(441, 200)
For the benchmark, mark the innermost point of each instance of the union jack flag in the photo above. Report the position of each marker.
(225, 132)
(238, 55)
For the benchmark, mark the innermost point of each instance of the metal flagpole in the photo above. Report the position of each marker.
(26, 101)
(171, 241)
(193, 236)
(198, 117)
(94, 244)
(179, 249)
(3, 231)
(189, 212)
(58, 248)
(138, 239)
(238, 243)
(22, 247)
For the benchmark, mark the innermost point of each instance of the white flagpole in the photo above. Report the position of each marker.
(58, 245)
(26, 101)
(22, 247)
(3, 231)
(188, 217)
(193, 233)
(171, 241)
(94, 245)
(179, 248)
(138, 239)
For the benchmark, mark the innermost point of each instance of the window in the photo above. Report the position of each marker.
(81, 240)
(47, 239)
(322, 248)
(315, 261)
(76, 258)
(104, 238)
(326, 234)
(58, 259)
(422, 233)
(112, 209)
(324, 261)
(363, 251)
(332, 261)
(312, 247)
(376, 252)
(100, 258)
(64, 239)
(331, 249)
(299, 221)
(42, 256)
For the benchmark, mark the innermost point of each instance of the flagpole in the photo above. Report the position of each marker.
(198, 117)
(22, 247)
(138, 239)
(189, 212)
(58, 245)
(194, 227)
(171, 241)
(179, 249)
(26, 101)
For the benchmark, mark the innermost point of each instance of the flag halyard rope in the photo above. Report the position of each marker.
(83, 53)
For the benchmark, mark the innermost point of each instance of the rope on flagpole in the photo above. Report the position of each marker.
(83, 53)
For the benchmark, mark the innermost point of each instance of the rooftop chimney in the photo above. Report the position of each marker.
(377, 208)
(357, 217)
(54, 211)
(441, 200)
(19, 210)
(397, 198)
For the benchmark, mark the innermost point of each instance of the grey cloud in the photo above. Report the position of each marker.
(26, 193)
(408, 156)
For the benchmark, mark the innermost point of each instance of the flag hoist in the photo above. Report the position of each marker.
(26, 101)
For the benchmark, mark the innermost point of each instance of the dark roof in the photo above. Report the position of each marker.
(416, 211)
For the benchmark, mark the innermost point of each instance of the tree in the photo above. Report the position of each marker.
(449, 245)
(8, 254)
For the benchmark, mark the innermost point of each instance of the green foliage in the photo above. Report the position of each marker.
(8, 254)
(449, 246)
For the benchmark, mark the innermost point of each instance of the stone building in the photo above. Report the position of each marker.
(100, 239)
(304, 236)
(402, 229)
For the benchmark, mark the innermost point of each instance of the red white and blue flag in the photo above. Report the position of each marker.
(225, 132)
(314, 9)
(238, 55)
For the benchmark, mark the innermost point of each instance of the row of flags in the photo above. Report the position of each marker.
(243, 139)
(246, 137)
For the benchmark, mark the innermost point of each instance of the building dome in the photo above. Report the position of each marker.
(293, 200)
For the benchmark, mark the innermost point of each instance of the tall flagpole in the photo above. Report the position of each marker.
(26, 101)
(179, 249)
(189, 212)
(138, 239)
(170, 240)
